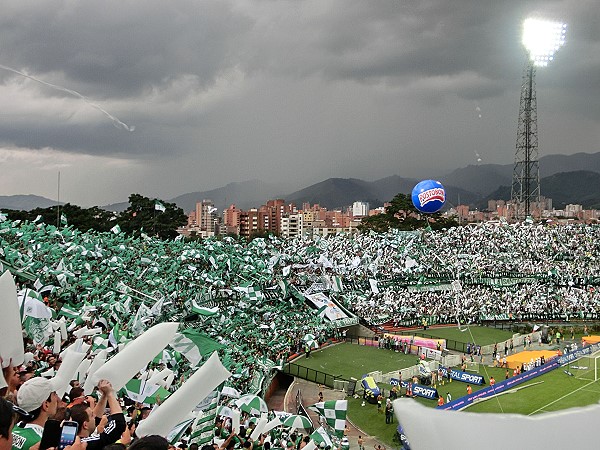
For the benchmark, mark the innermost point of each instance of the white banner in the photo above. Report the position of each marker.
(332, 312)
(431, 353)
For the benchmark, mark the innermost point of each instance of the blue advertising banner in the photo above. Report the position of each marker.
(465, 377)
(502, 386)
(569, 357)
(421, 391)
(512, 382)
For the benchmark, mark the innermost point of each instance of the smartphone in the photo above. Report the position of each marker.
(67, 434)
(51, 434)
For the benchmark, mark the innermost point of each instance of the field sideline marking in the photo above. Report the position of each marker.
(509, 391)
(559, 399)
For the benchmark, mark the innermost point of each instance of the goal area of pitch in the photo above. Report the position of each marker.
(586, 367)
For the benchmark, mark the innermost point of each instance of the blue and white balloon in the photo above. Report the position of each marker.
(429, 196)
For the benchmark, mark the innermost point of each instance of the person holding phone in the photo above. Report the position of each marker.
(38, 398)
(87, 419)
(68, 433)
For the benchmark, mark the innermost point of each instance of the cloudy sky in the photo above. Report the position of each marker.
(292, 91)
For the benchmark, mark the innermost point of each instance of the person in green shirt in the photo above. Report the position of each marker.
(38, 398)
(7, 422)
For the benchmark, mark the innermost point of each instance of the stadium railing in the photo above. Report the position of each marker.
(374, 340)
(313, 375)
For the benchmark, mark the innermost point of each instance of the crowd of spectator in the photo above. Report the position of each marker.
(256, 294)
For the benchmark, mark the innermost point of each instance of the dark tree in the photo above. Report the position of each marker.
(142, 215)
(84, 219)
(401, 214)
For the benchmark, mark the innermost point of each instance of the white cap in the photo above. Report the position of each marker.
(33, 393)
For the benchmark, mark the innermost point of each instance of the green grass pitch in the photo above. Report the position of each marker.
(551, 392)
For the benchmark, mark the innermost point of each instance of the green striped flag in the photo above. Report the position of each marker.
(203, 427)
(321, 311)
(68, 311)
(194, 345)
(178, 431)
(203, 310)
(336, 284)
(334, 412)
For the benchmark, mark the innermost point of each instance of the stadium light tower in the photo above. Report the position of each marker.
(541, 39)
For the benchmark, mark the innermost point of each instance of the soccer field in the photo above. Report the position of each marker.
(481, 335)
(550, 392)
(553, 391)
(350, 360)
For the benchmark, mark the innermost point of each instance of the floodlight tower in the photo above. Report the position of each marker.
(541, 39)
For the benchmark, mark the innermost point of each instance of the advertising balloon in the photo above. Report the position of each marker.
(429, 196)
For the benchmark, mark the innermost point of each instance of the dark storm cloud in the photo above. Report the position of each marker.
(288, 87)
(121, 48)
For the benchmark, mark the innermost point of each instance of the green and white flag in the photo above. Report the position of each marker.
(68, 311)
(203, 427)
(116, 229)
(203, 310)
(193, 345)
(39, 330)
(63, 219)
(187, 348)
(158, 206)
(178, 430)
(334, 412)
(320, 436)
(336, 284)
(249, 291)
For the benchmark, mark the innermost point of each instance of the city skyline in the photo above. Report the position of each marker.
(292, 92)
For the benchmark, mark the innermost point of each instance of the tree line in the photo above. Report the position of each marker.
(142, 215)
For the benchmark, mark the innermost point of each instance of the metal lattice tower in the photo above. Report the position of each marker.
(526, 174)
(541, 39)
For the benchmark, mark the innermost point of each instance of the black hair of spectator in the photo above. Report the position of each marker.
(79, 413)
(115, 446)
(75, 393)
(7, 418)
(152, 442)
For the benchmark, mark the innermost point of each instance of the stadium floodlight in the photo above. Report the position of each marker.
(542, 39)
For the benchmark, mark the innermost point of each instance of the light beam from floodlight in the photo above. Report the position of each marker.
(542, 39)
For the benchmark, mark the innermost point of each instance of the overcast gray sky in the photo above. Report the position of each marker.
(284, 91)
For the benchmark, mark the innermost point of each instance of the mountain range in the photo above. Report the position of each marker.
(565, 178)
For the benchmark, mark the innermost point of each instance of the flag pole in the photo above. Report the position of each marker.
(58, 202)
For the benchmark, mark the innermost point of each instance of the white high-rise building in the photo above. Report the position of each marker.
(360, 209)
(291, 225)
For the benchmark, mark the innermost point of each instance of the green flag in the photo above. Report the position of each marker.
(204, 311)
(194, 345)
(203, 427)
(334, 412)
